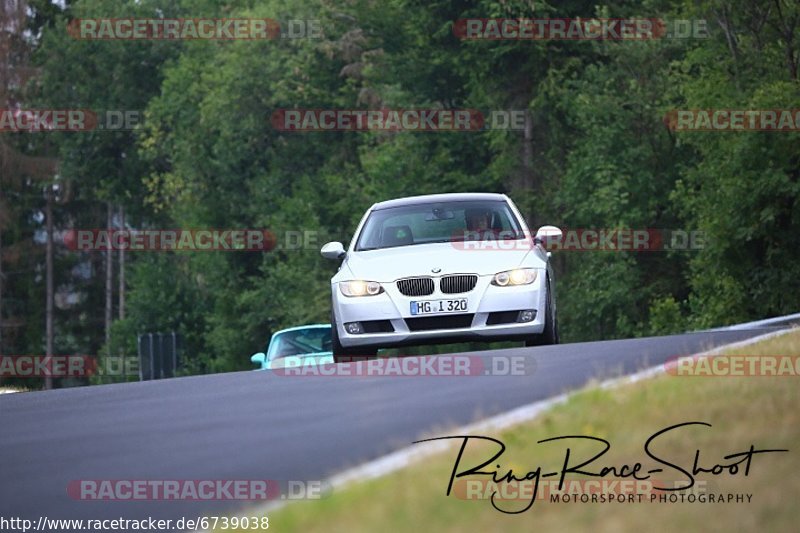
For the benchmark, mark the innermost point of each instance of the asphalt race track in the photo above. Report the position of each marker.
(258, 425)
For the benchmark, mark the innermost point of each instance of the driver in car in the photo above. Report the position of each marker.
(478, 222)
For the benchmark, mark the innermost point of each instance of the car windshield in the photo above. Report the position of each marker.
(438, 222)
(299, 342)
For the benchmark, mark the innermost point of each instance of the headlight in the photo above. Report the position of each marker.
(519, 276)
(360, 288)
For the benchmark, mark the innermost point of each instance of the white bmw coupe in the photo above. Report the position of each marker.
(442, 268)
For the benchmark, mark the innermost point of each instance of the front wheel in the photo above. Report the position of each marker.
(550, 333)
(346, 355)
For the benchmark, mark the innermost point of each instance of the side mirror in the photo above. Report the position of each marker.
(258, 358)
(333, 250)
(546, 234)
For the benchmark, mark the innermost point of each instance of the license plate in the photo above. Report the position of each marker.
(432, 307)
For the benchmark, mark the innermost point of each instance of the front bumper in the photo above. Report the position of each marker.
(484, 303)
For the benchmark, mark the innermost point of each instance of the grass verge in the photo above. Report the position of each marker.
(762, 411)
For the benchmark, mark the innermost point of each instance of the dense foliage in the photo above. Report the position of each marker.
(598, 155)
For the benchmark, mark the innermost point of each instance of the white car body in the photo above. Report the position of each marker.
(391, 309)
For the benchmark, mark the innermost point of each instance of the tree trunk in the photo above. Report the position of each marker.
(122, 267)
(528, 180)
(109, 281)
(1, 276)
(48, 381)
(122, 289)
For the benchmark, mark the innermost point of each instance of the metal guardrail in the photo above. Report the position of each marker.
(767, 322)
(158, 355)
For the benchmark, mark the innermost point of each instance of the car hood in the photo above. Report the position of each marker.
(390, 264)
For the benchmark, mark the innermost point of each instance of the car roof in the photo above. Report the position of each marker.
(310, 326)
(435, 198)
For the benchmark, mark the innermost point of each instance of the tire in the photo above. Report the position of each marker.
(346, 355)
(336, 347)
(550, 333)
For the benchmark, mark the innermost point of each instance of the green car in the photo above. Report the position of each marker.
(293, 347)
